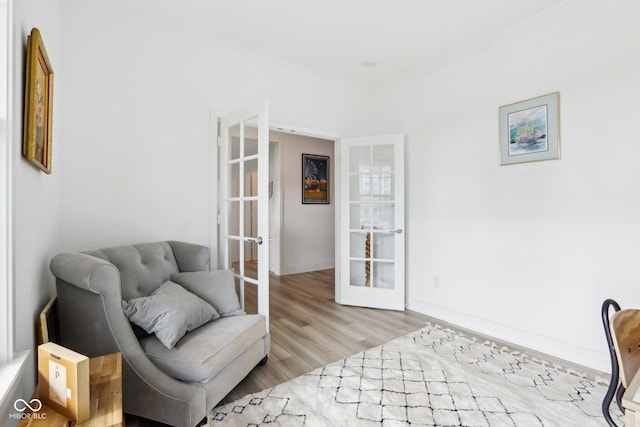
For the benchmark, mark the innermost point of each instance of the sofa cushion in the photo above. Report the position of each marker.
(204, 352)
(169, 312)
(215, 287)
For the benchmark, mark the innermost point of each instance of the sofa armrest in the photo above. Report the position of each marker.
(190, 257)
(87, 272)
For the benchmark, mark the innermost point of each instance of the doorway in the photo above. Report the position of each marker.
(305, 238)
(303, 235)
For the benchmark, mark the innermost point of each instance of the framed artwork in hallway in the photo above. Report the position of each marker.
(315, 179)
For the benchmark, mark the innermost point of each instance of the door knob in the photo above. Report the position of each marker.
(257, 240)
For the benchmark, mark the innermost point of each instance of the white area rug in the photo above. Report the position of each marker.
(432, 377)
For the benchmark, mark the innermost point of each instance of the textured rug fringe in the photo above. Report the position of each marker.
(521, 354)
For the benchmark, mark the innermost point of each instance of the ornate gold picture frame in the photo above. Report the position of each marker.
(38, 104)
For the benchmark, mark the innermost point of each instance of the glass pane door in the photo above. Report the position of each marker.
(244, 162)
(372, 222)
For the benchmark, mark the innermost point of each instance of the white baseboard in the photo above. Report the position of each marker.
(574, 354)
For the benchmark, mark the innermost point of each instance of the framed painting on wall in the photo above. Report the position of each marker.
(315, 179)
(530, 130)
(38, 104)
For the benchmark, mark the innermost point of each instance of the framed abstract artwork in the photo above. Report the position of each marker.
(530, 130)
(38, 104)
(315, 179)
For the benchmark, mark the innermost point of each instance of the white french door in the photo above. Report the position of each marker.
(371, 222)
(244, 183)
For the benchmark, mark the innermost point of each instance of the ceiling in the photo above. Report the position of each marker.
(361, 43)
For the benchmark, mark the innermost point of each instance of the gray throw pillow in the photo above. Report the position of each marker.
(169, 312)
(215, 287)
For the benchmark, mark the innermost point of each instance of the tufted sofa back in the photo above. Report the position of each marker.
(143, 267)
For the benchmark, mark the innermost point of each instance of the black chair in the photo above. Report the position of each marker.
(615, 385)
(622, 329)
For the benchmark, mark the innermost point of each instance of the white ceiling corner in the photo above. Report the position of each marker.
(331, 38)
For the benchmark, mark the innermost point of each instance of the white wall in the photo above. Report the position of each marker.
(137, 138)
(6, 341)
(275, 207)
(526, 252)
(36, 196)
(307, 231)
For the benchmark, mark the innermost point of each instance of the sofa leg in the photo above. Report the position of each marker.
(264, 361)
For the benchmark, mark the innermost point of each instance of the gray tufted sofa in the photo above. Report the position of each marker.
(91, 287)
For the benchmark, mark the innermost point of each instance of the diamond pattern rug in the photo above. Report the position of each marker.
(431, 377)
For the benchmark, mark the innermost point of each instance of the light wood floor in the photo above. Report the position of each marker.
(309, 330)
